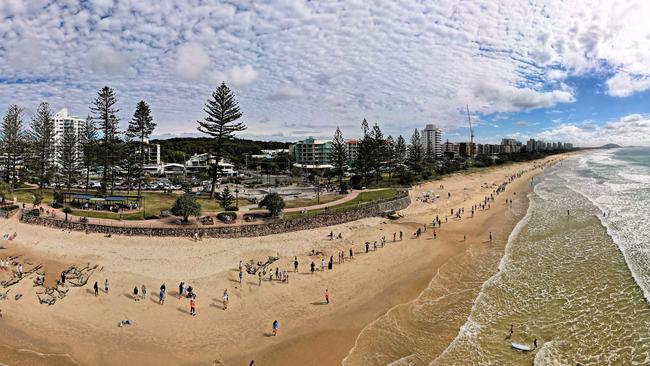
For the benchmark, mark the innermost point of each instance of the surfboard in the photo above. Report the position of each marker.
(521, 347)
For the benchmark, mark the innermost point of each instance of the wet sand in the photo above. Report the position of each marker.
(363, 289)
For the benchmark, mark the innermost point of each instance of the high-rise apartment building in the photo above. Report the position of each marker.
(431, 140)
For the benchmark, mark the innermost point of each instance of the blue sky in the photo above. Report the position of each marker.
(575, 71)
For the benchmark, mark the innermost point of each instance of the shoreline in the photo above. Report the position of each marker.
(310, 334)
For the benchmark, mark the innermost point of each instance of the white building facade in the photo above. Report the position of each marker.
(431, 140)
(62, 122)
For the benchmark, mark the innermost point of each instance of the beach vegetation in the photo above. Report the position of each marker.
(186, 206)
(274, 203)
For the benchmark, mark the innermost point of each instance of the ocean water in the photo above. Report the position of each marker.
(578, 282)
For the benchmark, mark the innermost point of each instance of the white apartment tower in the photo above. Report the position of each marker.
(431, 140)
(62, 122)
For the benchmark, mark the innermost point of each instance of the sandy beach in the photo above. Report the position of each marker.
(82, 329)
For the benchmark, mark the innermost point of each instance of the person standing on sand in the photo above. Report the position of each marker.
(295, 264)
(225, 299)
(351, 254)
(490, 236)
(322, 264)
(181, 287)
(313, 267)
(367, 246)
(144, 292)
(327, 297)
(135, 293)
(161, 296)
(276, 325)
(106, 285)
(241, 276)
(193, 305)
(259, 277)
(96, 288)
(400, 235)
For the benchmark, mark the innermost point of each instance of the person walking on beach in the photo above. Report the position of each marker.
(193, 305)
(490, 236)
(241, 276)
(400, 235)
(96, 288)
(181, 289)
(144, 292)
(295, 264)
(322, 264)
(106, 285)
(276, 325)
(313, 267)
(259, 277)
(351, 254)
(225, 299)
(161, 296)
(394, 237)
(135, 293)
(327, 297)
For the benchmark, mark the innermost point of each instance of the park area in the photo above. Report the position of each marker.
(156, 207)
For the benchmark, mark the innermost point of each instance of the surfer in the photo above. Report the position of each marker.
(511, 331)
(535, 343)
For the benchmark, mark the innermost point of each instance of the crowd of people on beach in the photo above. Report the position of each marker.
(313, 265)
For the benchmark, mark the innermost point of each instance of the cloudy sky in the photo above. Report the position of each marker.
(559, 70)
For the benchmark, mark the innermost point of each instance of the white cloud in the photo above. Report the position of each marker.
(507, 98)
(27, 54)
(623, 85)
(106, 59)
(191, 61)
(286, 92)
(405, 64)
(236, 76)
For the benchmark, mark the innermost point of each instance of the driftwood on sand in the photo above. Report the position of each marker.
(252, 267)
(74, 277)
(17, 277)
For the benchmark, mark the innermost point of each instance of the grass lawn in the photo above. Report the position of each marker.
(154, 202)
(361, 199)
(311, 202)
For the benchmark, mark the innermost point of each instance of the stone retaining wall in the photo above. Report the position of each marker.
(268, 228)
(7, 214)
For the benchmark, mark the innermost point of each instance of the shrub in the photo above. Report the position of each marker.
(34, 212)
(227, 217)
(356, 181)
(8, 207)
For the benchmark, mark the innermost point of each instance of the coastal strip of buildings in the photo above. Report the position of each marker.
(311, 153)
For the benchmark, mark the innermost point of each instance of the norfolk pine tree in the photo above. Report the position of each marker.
(68, 157)
(339, 156)
(221, 124)
(41, 143)
(105, 114)
(12, 142)
(88, 146)
(140, 128)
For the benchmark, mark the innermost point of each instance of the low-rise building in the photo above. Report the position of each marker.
(202, 162)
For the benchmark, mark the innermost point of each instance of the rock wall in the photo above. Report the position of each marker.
(268, 228)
